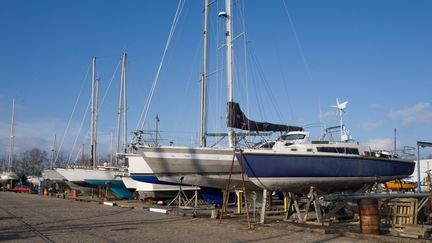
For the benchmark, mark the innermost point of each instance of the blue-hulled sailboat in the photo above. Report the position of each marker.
(295, 163)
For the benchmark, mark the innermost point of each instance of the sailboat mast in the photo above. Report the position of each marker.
(229, 39)
(203, 132)
(112, 149)
(82, 155)
(53, 151)
(124, 104)
(96, 123)
(120, 109)
(92, 133)
(12, 137)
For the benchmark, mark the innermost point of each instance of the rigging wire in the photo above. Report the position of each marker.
(78, 154)
(109, 85)
(72, 113)
(242, 17)
(260, 72)
(287, 91)
(145, 111)
(266, 85)
(79, 131)
(87, 108)
(293, 29)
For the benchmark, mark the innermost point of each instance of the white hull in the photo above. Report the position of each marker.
(207, 167)
(150, 187)
(35, 180)
(7, 176)
(52, 175)
(137, 165)
(80, 175)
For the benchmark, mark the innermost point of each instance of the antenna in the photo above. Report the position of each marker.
(341, 110)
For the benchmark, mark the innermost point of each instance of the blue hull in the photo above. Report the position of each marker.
(149, 178)
(286, 172)
(116, 186)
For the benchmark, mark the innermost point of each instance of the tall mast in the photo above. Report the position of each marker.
(93, 110)
(96, 123)
(53, 151)
(229, 39)
(203, 132)
(341, 126)
(82, 155)
(112, 149)
(12, 137)
(120, 110)
(124, 104)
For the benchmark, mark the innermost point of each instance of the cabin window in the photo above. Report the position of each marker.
(289, 137)
(352, 151)
(338, 150)
(327, 149)
(293, 149)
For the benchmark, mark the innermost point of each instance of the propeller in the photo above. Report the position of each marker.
(340, 111)
(340, 106)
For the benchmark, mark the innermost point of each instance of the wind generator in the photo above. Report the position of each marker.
(340, 111)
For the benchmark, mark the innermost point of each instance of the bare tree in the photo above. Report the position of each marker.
(32, 162)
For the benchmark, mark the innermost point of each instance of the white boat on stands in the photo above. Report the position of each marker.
(81, 175)
(94, 178)
(140, 176)
(52, 175)
(7, 176)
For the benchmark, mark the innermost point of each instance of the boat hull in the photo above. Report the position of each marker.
(7, 176)
(116, 186)
(143, 179)
(52, 175)
(95, 178)
(297, 173)
(204, 167)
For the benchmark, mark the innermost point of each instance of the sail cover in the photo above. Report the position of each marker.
(237, 119)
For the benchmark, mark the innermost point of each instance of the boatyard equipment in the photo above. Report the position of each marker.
(74, 193)
(240, 161)
(404, 211)
(369, 216)
(422, 145)
(302, 214)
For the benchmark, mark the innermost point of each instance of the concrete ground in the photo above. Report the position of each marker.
(34, 218)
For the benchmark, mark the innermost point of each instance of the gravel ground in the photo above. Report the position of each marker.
(33, 218)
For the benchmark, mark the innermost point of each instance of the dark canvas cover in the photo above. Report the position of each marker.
(237, 119)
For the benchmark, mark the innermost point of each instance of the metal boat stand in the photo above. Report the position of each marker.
(239, 193)
(182, 200)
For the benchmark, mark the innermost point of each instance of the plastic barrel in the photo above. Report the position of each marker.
(74, 193)
(45, 191)
(369, 216)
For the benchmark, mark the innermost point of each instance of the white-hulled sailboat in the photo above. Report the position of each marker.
(8, 176)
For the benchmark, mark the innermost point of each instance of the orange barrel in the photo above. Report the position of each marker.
(45, 192)
(369, 216)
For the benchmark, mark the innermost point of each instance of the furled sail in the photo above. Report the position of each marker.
(237, 119)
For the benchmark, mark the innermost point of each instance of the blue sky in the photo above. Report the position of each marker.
(376, 54)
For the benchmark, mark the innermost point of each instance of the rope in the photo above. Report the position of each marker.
(86, 111)
(79, 131)
(109, 85)
(72, 113)
(144, 113)
(291, 22)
